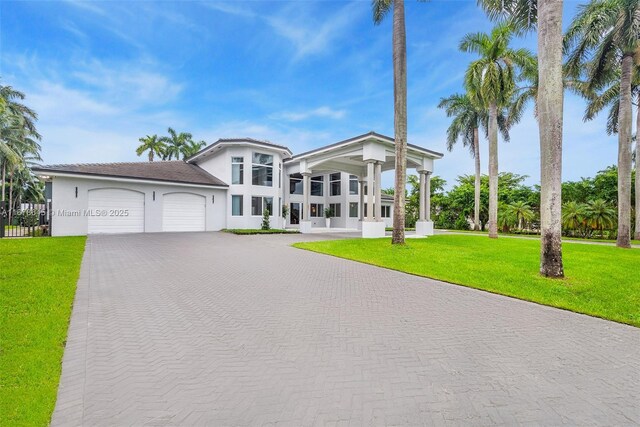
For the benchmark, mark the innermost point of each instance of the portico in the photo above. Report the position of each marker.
(361, 161)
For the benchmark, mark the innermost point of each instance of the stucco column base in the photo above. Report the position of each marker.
(373, 229)
(424, 228)
(305, 227)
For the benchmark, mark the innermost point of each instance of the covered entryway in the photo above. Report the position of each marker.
(115, 210)
(183, 212)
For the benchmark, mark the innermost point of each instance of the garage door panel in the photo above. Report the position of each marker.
(116, 210)
(183, 212)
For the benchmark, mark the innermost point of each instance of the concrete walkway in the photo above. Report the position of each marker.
(218, 329)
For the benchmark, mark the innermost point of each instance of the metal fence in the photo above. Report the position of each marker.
(29, 220)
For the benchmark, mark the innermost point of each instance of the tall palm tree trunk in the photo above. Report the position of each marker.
(493, 170)
(10, 197)
(4, 179)
(637, 234)
(624, 154)
(400, 118)
(550, 102)
(476, 196)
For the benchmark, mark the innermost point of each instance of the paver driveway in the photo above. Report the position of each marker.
(217, 329)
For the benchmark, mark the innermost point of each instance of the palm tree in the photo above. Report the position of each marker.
(467, 120)
(18, 135)
(600, 215)
(609, 96)
(153, 145)
(606, 31)
(175, 143)
(192, 147)
(490, 83)
(573, 215)
(521, 211)
(399, 41)
(524, 15)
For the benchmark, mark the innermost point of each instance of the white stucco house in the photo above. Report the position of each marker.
(230, 183)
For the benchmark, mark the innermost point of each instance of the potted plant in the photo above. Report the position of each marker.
(285, 213)
(328, 213)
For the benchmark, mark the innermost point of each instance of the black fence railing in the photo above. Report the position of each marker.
(27, 220)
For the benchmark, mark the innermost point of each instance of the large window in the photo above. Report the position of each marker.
(236, 205)
(295, 184)
(334, 179)
(386, 211)
(336, 209)
(353, 185)
(260, 204)
(262, 170)
(237, 170)
(317, 184)
(316, 210)
(353, 210)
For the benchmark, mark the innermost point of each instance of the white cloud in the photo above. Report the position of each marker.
(296, 116)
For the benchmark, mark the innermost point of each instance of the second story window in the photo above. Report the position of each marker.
(317, 184)
(262, 170)
(237, 170)
(295, 184)
(334, 179)
(353, 185)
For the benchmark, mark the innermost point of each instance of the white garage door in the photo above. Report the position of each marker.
(183, 212)
(116, 210)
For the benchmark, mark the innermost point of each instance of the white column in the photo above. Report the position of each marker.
(370, 189)
(378, 194)
(427, 196)
(421, 216)
(361, 204)
(306, 191)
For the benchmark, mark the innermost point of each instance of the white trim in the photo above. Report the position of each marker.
(220, 145)
(133, 180)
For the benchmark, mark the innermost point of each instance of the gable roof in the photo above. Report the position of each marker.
(364, 136)
(224, 141)
(176, 171)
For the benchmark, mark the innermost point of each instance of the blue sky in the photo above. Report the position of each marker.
(299, 73)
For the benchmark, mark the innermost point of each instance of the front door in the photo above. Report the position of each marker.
(294, 214)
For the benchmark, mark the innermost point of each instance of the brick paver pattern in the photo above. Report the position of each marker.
(218, 329)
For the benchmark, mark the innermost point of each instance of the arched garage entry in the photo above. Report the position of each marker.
(115, 210)
(183, 212)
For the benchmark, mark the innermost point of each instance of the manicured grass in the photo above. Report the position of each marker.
(600, 280)
(245, 231)
(537, 236)
(37, 284)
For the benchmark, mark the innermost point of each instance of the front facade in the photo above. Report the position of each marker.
(230, 184)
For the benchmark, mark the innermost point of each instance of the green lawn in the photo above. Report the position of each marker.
(536, 236)
(600, 280)
(37, 284)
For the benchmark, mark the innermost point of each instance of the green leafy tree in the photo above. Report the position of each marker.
(490, 81)
(602, 38)
(175, 144)
(153, 145)
(468, 118)
(266, 225)
(191, 148)
(600, 215)
(521, 212)
(574, 217)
